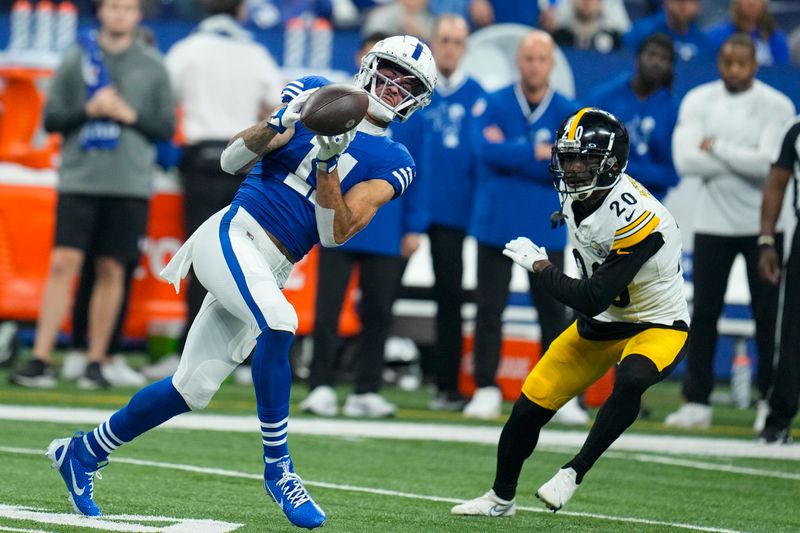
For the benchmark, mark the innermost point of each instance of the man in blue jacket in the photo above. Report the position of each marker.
(643, 101)
(513, 135)
(447, 170)
(380, 252)
(678, 19)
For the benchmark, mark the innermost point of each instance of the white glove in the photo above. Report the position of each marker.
(331, 146)
(285, 117)
(524, 252)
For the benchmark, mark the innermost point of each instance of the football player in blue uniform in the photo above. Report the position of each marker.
(301, 189)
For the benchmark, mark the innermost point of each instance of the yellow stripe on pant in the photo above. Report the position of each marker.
(572, 363)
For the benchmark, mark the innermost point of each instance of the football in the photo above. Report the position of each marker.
(334, 109)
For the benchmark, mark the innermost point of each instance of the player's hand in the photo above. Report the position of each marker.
(493, 134)
(543, 151)
(525, 253)
(769, 265)
(285, 117)
(409, 244)
(333, 145)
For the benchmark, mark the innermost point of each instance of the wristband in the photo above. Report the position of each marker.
(328, 165)
(766, 240)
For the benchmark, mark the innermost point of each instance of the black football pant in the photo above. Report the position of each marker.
(379, 279)
(783, 400)
(206, 190)
(494, 275)
(713, 259)
(446, 254)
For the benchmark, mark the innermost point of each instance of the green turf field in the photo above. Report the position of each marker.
(386, 484)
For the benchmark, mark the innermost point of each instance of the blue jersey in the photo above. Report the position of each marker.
(515, 195)
(650, 124)
(447, 163)
(693, 45)
(280, 191)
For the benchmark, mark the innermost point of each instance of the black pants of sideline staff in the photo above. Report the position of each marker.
(783, 400)
(206, 190)
(379, 279)
(713, 259)
(494, 275)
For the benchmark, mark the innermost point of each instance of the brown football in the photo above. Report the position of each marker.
(334, 109)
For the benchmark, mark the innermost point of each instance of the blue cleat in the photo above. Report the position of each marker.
(78, 477)
(286, 488)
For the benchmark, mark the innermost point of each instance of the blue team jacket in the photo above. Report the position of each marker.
(515, 194)
(650, 124)
(693, 45)
(772, 52)
(446, 166)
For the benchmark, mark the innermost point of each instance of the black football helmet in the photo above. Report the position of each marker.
(590, 153)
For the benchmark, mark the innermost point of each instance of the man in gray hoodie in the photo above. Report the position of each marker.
(111, 100)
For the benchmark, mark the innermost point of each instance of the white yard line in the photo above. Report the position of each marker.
(382, 492)
(661, 444)
(702, 465)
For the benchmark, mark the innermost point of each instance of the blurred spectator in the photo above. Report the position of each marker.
(223, 81)
(678, 19)
(726, 135)
(512, 139)
(448, 170)
(449, 7)
(271, 13)
(380, 252)
(591, 24)
(644, 102)
(110, 99)
(410, 17)
(783, 398)
(753, 18)
(794, 46)
(528, 12)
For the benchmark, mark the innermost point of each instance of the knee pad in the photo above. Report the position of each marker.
(198, 385)
(281, 316)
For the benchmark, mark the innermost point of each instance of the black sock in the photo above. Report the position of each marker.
(635, 374)
(517, 441)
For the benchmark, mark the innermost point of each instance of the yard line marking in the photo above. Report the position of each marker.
(702, 465)
(384, 492)
(116, 522)
(476, 434)
(4, 528)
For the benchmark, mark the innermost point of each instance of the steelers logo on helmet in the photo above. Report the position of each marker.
(399, 74)
(590, 153)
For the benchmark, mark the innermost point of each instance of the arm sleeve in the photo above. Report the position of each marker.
(64, 110)
(593, 295)
(295, 87)
(156, 121)
(755, 162)
(690, 160)
(788, 154)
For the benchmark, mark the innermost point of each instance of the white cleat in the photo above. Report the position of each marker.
(369, 405)
(485, 404)
(557, 492)
(119, 374)
(571, 414)
(487, 505)
(690, 416)
(74, 365)
(321, 401)
(762, 412)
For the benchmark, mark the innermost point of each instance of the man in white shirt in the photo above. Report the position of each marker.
(727, 133)
(224, 81)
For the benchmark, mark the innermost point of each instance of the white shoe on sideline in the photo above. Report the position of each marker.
(571, 414)
(243, 375)
(485, 404)
(557, 492)
(164, 367)
(368, 405)
(119, 374)
(690, 416)
(321, 401)
(487, 505)
(762, 412)
(74, 365)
